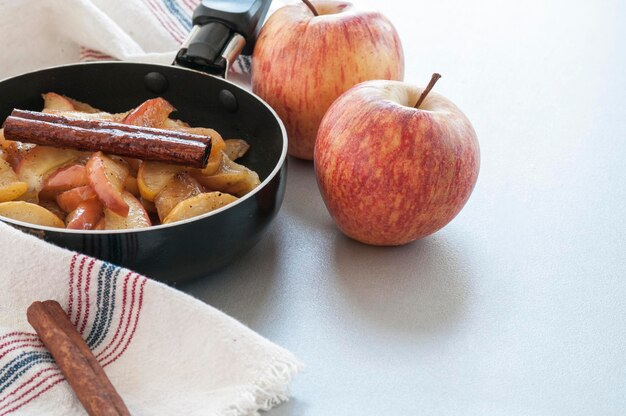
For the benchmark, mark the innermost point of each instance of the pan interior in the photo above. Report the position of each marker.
(198, 98)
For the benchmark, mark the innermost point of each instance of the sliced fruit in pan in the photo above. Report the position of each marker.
(30, 213)
(137, 216)
(10, 186)
(231, 178)
(153, 176)
(151, 113)
(235, 148)
(86, 215)
(180, 187)
(198, 205)
(69, 200)
(107, 177)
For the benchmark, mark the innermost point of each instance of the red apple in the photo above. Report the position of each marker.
(302, 62)
(390, 173)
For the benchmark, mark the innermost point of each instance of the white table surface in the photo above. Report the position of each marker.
(517, 307)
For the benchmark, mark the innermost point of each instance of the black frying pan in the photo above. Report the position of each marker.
(196, 247)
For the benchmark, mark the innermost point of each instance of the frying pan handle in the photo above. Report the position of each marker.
(222, 29)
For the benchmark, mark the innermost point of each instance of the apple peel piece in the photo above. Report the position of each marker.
(30, 213)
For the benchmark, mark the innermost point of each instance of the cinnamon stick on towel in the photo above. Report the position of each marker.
(76, 361)
(143, 143)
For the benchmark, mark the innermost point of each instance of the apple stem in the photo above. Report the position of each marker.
(429, 87)
(311, 7)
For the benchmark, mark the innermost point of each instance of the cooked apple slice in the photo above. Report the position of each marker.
(150, 113)
(231, 178)
(30, 213)
(99, 225)
(69, 200)
(235, 148)
(148, 205)
(107, 177)
(130, 185)
(15, 152)
(173, 124)
(198, 205)
(137, 216)
(40, 161)
(217, 146)
(10, 186)
(55, 102)
(83, 107)
(180, 187)
(63, 179)
(153, 176)
(86, 215)
(54, 208)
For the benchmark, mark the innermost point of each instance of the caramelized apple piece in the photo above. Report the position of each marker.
(53, 101)
(10, 186)
(15, 152)
(38, 162)
(173, 124)
(198, 205)
(86, 215)
(107, 177)
(231, 178)
(30, 213)
(179, 188)
(217, 146)
(62, 180)
(235, 148)
(83, 107)
(69, 200)
(137, 216)
(151, 113)
(54, 208)
(153, 176)
(130, 185)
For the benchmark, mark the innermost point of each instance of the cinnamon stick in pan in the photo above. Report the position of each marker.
(76, 361)
(143, 143)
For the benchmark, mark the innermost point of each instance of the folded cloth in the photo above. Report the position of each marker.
(165, 352)
(36, 34)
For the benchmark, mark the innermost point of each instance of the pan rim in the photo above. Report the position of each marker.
(277, 168)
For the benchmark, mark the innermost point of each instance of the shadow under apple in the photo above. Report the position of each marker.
(421, 287)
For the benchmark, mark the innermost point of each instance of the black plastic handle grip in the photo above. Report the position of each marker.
(220, 29)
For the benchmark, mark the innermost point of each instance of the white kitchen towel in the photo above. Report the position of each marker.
(166, 352)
